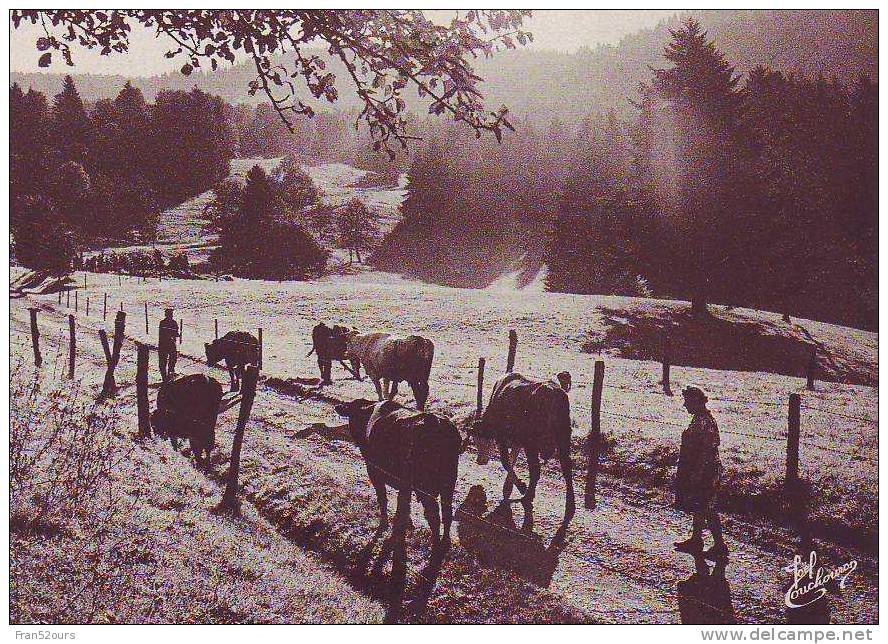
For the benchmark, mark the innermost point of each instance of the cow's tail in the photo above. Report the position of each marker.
(307, 355)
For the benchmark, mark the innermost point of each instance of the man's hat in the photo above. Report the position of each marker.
(695, 393)
(168, 311)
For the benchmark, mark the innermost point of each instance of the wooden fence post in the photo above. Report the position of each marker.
(68, 299)
(35, 338)
(216, 323)
(112, 355)
(84, 279)
(513, 345)
(60, 297)
(593, 441)
(667, 360)
(121, 305)
(483, 444)
(72, 346)
(251, 377)
(105, 309)
(812, 367)
(76, 301)
(260, 347)
(119, 280)
(87, 307)
(181, 329)
(146, 318)
(142, 389)
(792, 442)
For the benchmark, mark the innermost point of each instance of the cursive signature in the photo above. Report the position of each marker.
(810, 580)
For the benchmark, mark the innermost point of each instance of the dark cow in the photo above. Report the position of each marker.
(187, 408)
(535, 416)
(329, 345)
(238, 349)
(392, 360)
(410, 451)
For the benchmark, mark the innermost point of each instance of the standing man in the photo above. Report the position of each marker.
(167, 334)
(321, 341)
(698, 477)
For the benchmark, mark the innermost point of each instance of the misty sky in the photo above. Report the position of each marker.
(561, 30)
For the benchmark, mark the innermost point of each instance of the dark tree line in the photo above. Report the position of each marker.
(760, 193)
(757, 191)
(81, 177)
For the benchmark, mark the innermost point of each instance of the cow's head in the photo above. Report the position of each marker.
(339, 341)
(358, 413)
(162, 422)
(214, 352)
(564, 380)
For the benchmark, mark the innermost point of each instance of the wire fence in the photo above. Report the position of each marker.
(659, 584)
(450, 367)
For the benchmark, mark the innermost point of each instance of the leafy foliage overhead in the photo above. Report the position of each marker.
(384, 52)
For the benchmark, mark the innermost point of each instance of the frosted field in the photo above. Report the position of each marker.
(618, 564)
(633, 526)
(467, 324)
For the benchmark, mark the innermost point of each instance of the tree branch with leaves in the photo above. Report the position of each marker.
(384, 53)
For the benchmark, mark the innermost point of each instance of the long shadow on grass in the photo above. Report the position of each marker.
(722, 340)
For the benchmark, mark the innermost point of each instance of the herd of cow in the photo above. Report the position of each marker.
(412, 451)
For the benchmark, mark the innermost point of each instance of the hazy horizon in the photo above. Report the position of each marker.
(555, 30)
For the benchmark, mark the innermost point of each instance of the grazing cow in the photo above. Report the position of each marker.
(410, 451)
(534, 415)
(238, 349)
(392, 360)
(329, 344)
(187, 408)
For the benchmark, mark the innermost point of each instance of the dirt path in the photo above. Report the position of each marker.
(618, 564)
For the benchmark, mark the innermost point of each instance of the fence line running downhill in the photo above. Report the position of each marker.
(646, 392)
(594, 561)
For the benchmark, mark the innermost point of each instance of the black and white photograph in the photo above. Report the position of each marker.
(443, 317)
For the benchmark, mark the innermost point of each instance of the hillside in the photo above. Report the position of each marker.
(312, 485)
(589, 80)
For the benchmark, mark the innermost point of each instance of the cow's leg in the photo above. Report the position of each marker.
(420, 393)
(399, 534)
(382, 501)
(570, 500)
(424, 396)
(196, 449)
(432, 515)
(356, 366)
(510, 471)
(378, 386)
(230, 369)
(533, 464)
(447, 513)
(386, 387)
(394, 390)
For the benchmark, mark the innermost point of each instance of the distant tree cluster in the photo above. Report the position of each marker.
(759, 191)
(258, 132)
(78, 177)
(357, 229)
(260, 229)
